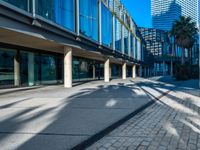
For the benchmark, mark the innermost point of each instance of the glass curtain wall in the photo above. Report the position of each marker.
(38, 68)
(116, 70)
(129, 71)
(125, 38)
(106, 26)
(118, 35)
(88, 10)
(132, 46)
(136, 47)
(7, 66)
(22, 4)
(61, 12)
(83, 69)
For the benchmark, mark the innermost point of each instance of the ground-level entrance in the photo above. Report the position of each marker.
(28, 67)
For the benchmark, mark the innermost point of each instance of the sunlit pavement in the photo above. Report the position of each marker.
(52, 117)
(173, 122)
(55, 118)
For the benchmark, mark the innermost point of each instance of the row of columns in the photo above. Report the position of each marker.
(67, 69)
(107, 69)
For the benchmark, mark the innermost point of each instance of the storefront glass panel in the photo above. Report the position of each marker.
(6, 67)
(116, 70)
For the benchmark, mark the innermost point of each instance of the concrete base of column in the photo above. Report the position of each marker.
(67, 67)
(94, 71)
(17, 69)
(31, 81)
(124, 71)
(107, 70)
(134, 71)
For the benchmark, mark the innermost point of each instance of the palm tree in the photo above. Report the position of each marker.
(184, 31)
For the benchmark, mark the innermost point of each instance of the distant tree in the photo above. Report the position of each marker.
(184, 31)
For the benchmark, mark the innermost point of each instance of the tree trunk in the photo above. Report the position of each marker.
(183, 56)
(190, 56)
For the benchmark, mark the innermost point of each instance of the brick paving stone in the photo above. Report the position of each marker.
(169, 124)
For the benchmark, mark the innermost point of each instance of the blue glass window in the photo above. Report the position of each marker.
(136, 46)
(106, 26)
(118, 35)
(132, 46)
(6, 67)
(89, 18)
(61, 12)
(125, 41)
(23, 4)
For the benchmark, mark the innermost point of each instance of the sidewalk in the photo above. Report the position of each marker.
(172, 123)
(52, 117)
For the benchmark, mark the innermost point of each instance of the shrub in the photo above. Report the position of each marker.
(186, 71)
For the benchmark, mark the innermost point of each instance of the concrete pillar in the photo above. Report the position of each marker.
(110, 72)
(171, 68)
(31, 78)
(94, 71)
(67, 67)
(17, 69)
(107, 70)
(134, 71)
(124, 71)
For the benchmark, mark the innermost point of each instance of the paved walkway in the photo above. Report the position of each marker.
(172, 123)
(52, 117)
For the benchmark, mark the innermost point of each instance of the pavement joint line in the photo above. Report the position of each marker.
(56, 134)
(96, 137)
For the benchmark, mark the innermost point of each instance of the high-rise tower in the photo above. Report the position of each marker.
(165, 12)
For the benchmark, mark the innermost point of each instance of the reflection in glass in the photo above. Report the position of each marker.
(6, 67)
(116, 71)
(48, 69)
(89, 18)
(136, 47)
(106, 26)
(118, 35)
(132, 46)
(83, 69)
(23, 4)
(125, 41)
(59, 11)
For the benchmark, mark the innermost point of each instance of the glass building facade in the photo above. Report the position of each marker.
(89, 18)
(38, 67)
(61, 12)
(114, 32)
(165, 12)
(106, 26)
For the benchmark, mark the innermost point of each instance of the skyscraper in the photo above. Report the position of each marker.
(165, 12)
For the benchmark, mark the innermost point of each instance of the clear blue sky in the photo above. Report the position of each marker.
(140, 10)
